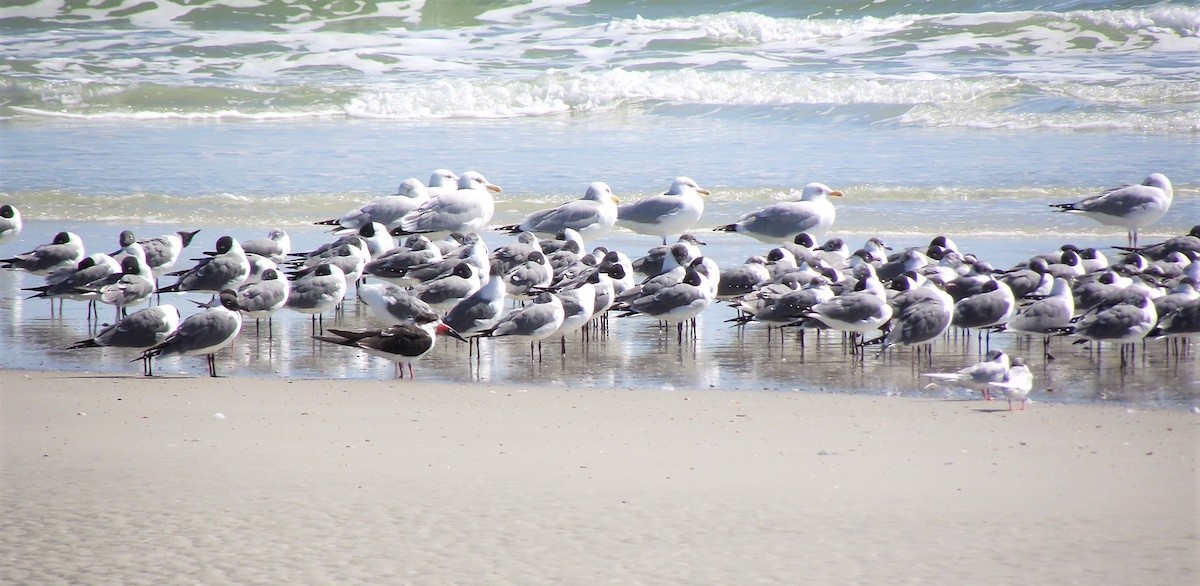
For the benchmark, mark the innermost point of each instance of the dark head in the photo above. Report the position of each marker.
(126, 238)
(833, 244)
(130, 266)
(7, 211)
(224, 244)
(229, 300)
(616, 271)
(462, 270)
(804, 239)
(62, 238)
(270, 275)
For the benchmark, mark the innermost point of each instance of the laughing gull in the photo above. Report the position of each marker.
(227, 268)
(1183, 321)
(445, 292)
(467, 209)
(509, 256)
(1124, 318)
(592, 216)
(534, 322)
(992, 306)
(390, 304)
(1130, 206)
(403, 343)
(396, 265)
(133, 285)
(140, 330)
(10, 223)
(739, 280)
(63, 252)
(276, 246)
(676, 303)
(657, 260)
(863, 309)
(480, 311)
(69, 283)
(811, 213)
(524, 280)
(162, 252)
(263, 297)
(204, 333)
(673, 212)
(579, 305)
(980, 376)
(1189, 242)
(1049, 315)
(920, 313)
(316, 291)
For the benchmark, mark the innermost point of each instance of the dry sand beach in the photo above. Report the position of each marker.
(130, 480)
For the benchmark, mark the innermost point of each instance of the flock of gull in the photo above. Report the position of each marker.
(418, 260)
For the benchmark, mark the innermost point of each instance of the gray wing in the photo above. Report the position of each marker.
(473, 315)
(576, 215)
(447, 212)
(1122, 200)
(524, 322)
(158, 251)
(46, 257)
(203, 332)
(263, 295)
(650, 210)
(127, 290)
(782, 219)
(214, 273)
(444, 289)
(141, 329)
(851, 308)
(389, 210)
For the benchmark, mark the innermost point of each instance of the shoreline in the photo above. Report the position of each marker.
(111, 478)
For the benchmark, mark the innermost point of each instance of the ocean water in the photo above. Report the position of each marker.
(958, 118)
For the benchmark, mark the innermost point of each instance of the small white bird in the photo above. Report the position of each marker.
(1130, 206)
(781, 222)
(1017, 383)
(980, 376)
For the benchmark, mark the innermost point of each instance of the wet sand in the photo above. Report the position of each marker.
(126, 479)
